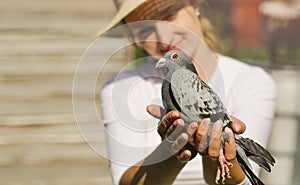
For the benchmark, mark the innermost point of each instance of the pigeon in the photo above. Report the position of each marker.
(184, 91)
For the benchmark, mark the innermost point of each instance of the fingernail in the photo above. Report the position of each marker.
(206, 122)
(228, 130)
(175, 114)
(228, 133)
(193, 126)
(238, 128)
(180, 123)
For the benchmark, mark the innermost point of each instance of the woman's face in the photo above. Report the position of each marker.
(158, 37)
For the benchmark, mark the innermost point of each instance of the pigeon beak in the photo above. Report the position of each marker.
(161, 63)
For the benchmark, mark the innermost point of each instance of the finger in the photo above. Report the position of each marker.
(179, 143)
(175, 129)
(155, 110)
(230, 147)
(201, 139)
(166, 122)
(191, 129)
(184, 156)
(238, 126)
(215, 140)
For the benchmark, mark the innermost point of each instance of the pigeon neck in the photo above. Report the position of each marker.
(168, 76)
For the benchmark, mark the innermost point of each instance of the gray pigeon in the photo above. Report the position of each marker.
(184, 91)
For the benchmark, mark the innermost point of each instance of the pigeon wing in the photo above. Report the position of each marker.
(195, 98)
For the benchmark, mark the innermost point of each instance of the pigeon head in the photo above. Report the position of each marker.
(173, 60)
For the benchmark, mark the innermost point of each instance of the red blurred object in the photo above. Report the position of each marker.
(246, 22)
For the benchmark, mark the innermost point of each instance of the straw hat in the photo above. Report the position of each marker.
(145, 12)
(124, 8)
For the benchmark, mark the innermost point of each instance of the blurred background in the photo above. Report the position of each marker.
(41, 43)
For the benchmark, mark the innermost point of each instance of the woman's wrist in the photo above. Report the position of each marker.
(245, 182)
(237, 174)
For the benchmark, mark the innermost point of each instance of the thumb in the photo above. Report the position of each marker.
(155, 111)
(238, 126)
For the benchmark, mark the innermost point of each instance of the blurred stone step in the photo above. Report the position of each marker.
(48, 138)
(41, 154)
(53, 133)
(91, 126)
(106, 180)
(64, 7)
(45, 87)
(16, 49)
(47, 18)
(60, 173)
(46, 70)
(36, 120)
(36, 88)
(34, 107)
(49, 106)
(16, 92)
(50, 57)
(49, 49)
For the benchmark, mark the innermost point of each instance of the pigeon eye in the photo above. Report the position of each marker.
(174, 56)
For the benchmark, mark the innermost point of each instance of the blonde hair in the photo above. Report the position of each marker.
(208, 33)
(207, 28)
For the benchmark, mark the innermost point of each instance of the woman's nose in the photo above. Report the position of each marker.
(165, 36)
(164, 33)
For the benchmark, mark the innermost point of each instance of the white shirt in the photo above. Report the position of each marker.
(247, 91)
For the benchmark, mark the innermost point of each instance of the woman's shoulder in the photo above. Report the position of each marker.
(244, 80)
(236, 66)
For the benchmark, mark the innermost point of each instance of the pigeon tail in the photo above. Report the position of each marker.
(256, 153)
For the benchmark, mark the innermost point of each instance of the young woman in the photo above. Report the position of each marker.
(138, 150)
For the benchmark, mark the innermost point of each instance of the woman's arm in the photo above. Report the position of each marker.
(166, 161)
(163, 172)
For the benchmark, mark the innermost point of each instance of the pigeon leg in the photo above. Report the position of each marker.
(223, 168)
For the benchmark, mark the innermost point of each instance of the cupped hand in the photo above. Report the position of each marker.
(197, 137)
(209, 135)
(171, 130)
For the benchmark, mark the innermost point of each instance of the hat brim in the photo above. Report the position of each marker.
(126, 7)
